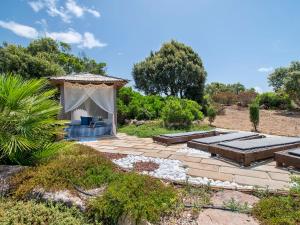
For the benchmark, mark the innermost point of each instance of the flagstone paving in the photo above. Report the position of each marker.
(267, 175)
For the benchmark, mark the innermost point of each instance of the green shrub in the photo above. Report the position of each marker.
(278, 210)
(153, 128)
(140, 197)
(254, 115)
(133, 105)
(179, 113)
(211, 113)
(78, 165)
(274, 100)
(28, 213)
(28, 117)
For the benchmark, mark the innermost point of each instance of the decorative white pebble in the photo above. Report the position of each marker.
(173, 170)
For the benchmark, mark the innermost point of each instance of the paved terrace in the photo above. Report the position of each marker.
(198, 165)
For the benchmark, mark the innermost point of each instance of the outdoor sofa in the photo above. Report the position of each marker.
(245, 152)
(204, 143)
(288, 158)
(176, 138)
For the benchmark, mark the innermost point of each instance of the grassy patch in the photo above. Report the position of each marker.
(140, 197)
(278, 210)
(27, 213)
(77, 165)
(153, 128)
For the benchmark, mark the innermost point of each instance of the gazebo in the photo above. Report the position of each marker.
(89, 102)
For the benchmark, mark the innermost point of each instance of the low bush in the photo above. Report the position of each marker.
(211, 113)
(278, 210)
(139, 197)
(28, 213)
(179, 113)
(78, 165)
(225, 98)
(272, 100)
(246, 97)
(254, 115)
(153, 128)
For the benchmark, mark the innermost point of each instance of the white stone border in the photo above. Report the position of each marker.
(173, 170)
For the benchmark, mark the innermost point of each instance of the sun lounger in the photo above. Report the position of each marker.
(204, 143)
(176, 138)
(246, 152)
(288, 158)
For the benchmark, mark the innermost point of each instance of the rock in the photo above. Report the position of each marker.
(263, 106)
(139, 122)
(66, 197)
(221, 217)
(220, 197)
(6, 172)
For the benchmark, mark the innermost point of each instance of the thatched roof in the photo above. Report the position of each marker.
(88, 78)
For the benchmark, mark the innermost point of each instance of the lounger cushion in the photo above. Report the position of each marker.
(185, 133)
(225, 137)
(295, 152)
(260, 143)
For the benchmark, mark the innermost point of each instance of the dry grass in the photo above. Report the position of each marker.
(271, 121)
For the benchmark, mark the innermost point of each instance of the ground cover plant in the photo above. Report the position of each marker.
(30, 212)
(78, 166)
(280, 210)
(137, 196)
(153, 128)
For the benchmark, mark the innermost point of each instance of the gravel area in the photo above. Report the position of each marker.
(145, 166)
(173, 170)
(114, 155)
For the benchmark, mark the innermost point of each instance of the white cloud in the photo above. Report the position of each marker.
(36, 6)
(258, 89)
(265, 69)
(74, 8)
(89, 41)
(70, 37)
(86, 40)
(120, 53)
(66, 12)
(19, 29)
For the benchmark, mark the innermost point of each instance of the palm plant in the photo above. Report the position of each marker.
(28, 114)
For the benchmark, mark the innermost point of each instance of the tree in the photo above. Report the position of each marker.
(292, 86)
(254, 115)
(287, 80)
(45, 57)
(28, 117)
(217, 87)
(174, 70)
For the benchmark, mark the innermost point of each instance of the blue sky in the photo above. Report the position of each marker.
(238, 40)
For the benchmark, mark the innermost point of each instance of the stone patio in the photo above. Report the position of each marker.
(199, 165)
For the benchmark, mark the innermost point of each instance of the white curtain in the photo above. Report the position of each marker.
(102, 95)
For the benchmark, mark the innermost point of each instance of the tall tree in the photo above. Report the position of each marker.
(45, 57)
(174, 70)
(287, 79)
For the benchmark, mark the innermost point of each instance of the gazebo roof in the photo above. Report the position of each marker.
(88, 78)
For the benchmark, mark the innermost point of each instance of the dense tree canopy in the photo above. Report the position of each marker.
(287, 79)
(217, 87)
(174, 70)
(45, 57)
